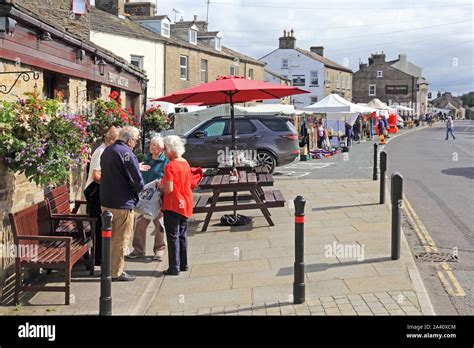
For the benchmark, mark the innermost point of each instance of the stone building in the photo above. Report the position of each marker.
(449, 104)
(310, 70)
(174, 55)
(393, 82)
(44, 45)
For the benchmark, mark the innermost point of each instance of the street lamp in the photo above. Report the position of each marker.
(102, 65)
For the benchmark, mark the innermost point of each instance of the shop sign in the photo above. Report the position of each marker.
(118, 80)
(299, 80)
(396, 89)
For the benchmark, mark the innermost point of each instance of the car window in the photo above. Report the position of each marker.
(214, 129)
(244, 127)
(276, 125)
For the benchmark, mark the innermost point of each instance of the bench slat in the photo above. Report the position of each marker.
(279, 196)
(269, 196)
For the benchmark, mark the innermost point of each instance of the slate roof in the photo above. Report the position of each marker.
(327, 62)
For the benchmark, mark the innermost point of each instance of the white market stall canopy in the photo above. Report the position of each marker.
(282, 109)
(335, 103)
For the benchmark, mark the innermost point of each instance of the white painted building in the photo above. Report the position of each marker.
(308, 70)
(133, 43)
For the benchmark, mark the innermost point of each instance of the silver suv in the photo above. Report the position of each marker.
(272, 140)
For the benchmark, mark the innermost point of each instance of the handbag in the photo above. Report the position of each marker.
(235, 220)
(149, 201)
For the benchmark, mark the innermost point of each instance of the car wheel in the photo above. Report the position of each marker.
(267, 159)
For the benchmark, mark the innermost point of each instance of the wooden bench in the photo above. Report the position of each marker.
(274, 199)
(31, 228)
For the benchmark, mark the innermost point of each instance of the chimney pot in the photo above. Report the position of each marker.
(287, 41)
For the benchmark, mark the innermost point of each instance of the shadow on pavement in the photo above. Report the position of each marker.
(467, 172)
(318, 267)
(344, 206)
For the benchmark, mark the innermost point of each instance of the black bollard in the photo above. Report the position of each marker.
(375, 161)
(298, 284)
(383, 170)
(106, 277)
(397, 201)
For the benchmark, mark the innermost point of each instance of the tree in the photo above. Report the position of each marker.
(468, 99)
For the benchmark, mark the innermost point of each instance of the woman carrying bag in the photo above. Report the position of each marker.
(153, 169)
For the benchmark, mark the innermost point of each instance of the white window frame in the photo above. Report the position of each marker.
(338, 82)
(234, 70)
(185, 67)
(138, 58)
(375, 91)
(311, 78)
(165, 29)
(193, 34)
(283, 65)
(250, 75)
(206, 71)
(379, 74)
(218, 42)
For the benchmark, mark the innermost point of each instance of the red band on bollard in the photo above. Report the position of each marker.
(299, 219)
(107, 234)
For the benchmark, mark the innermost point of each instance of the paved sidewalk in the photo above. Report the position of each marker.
(248, 270)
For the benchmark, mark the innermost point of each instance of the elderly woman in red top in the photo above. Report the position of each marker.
(177, 204)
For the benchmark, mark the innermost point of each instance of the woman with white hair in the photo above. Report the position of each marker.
(155, 162)
(177, 204)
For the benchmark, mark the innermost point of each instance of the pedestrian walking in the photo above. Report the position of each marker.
(450, 128)
(348, 134)
(177, 204)
(321, 136)
(156, 161)
(121, 181)
(92, 189)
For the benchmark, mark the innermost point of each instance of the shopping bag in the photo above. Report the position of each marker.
(149, 201)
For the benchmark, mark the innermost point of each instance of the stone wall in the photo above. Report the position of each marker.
(21, 86)
(58, 13)
(217, 66)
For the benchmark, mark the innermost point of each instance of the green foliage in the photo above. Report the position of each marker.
(155, 120)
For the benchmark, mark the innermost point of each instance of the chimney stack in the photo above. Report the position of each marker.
(403, 62)
(287, 42)
(115, 7)
(144, 8)
(318, 50)
(377, 58)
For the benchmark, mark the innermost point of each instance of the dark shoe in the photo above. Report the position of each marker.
(125, 277)
(184, 269)
(170, 272)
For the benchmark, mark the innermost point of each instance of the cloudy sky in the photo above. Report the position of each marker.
(435, 34)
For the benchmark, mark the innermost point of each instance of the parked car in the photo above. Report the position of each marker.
(273, 140)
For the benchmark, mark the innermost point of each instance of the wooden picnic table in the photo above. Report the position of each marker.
(247, 182)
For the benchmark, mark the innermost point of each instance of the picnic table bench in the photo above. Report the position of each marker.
(41, 247)
(247, 182)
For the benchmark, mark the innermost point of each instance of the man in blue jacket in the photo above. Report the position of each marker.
(121, 181)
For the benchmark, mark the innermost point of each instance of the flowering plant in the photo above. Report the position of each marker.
(38, 140)
(109, 113)
(155, 120)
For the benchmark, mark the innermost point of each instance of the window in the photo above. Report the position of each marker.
(218, 43)
(183, 67)
(314, 100)
(137, 61)
(244, 127)
(343, 82)
(251, 74)
(372, 90)
(215, 129)
(348, 82)
(284, 63)
(313, 78)
(165, 29)
(338, 81)
(193, 35)
(327, 76)
(275, 124)
(234, 70)
(379, 73)
(203, 70)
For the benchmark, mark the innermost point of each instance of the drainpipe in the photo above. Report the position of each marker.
(164, 69)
